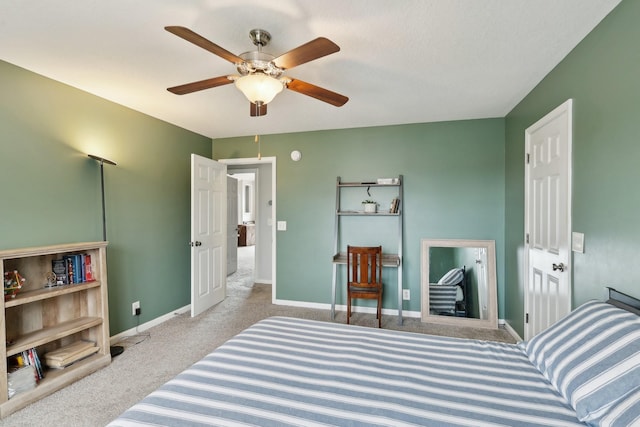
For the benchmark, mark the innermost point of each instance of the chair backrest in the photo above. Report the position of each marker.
(364, 265)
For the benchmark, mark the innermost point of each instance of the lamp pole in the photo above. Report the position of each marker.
(102, 161)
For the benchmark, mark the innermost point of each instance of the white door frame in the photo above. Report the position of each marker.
(253, 161)
(565, 108)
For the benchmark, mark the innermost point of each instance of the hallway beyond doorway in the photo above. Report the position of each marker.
(246, 265)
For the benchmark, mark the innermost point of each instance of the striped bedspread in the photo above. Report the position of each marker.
(442, 298)
(294, 372)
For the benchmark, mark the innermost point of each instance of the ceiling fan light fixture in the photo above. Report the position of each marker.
(259, 88)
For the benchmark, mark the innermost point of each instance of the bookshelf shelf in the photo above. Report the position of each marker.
(361, 213)
(46, 319)
(369, 184)
(41, 294)
(46, 335)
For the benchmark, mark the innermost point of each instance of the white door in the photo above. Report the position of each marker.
(548, 220)
(208, 233)
(232, 225)
(482, 279)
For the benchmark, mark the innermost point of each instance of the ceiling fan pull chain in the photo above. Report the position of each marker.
(257, 141)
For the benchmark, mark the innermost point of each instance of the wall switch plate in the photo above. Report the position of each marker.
(135, 306)
(406, 294)
(577, 242)
(282, 226)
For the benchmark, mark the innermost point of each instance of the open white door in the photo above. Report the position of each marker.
(208, 233)
(548, 220)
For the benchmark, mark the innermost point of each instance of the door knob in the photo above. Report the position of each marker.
(196, 243)
(558, 267)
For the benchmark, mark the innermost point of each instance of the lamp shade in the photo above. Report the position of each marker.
(259, 87)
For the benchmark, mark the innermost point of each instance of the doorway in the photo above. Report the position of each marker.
(244, 223)
(263, 213)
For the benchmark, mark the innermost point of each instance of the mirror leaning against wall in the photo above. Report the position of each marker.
(458, 282)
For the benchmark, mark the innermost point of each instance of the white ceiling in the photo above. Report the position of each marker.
(407, 61)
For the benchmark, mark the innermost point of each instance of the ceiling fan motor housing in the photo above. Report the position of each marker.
(258, 61)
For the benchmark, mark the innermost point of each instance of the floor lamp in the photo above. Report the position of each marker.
(114, 349)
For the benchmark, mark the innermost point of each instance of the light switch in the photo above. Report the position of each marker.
(577, 242)
(282, 226)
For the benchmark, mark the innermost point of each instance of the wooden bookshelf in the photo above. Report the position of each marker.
(49, 318)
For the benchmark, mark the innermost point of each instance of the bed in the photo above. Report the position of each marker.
(282, 371)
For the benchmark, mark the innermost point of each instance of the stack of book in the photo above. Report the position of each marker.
(72, 269)
(67, 355)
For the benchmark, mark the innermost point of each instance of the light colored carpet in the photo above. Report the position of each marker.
(178, 343)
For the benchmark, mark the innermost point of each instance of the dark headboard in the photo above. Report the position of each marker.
(624, 301)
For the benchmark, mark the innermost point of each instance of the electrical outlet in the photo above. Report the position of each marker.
(406, 294)
(135, 308)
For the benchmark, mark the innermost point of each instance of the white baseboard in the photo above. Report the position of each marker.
(323, 306)
(318, 306)
(149, 324)
(511, 331)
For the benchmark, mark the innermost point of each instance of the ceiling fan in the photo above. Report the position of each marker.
(261, 74)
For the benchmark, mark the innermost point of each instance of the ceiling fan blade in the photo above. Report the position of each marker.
(200, 85)
(307, 52)
(200, 41)
(317, 92)
(256, 110)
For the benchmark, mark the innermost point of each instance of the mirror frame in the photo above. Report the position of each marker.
(492, 306)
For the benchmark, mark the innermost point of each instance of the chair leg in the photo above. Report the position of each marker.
(348, 309)
(379, 312)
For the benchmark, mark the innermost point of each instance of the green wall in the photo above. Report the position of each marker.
(51, 189)
(602, 76)
(453, 188)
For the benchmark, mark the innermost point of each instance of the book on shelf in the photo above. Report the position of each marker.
(68, 259)
(88, 271)
(35, 361)
(76, 269)
(395, 205)
(59, 268)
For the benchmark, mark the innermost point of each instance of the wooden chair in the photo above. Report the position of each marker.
(364, 276)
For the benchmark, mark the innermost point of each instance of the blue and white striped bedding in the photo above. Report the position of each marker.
(592, 357)
(442, 298)
(284, 371)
